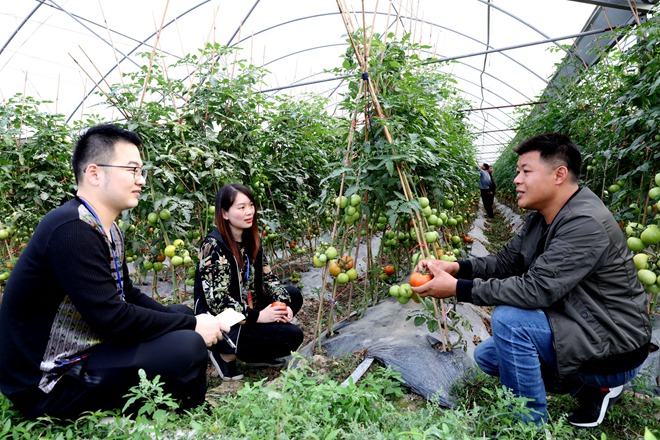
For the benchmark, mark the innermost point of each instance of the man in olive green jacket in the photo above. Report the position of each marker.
(571, 314)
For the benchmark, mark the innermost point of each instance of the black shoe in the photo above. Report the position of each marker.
(592, 405)
(273, 363)
(226, 370)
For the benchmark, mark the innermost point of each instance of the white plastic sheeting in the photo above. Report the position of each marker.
(59, 50)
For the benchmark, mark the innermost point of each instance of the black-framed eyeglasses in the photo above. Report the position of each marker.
(137, 171)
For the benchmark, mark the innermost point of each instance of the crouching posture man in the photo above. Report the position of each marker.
(571, 314)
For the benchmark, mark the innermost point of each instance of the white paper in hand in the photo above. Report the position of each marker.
(230, 317)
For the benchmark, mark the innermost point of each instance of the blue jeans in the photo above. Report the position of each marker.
(522, 355)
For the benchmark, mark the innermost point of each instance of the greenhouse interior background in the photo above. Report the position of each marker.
(360, 127)
(505, 52)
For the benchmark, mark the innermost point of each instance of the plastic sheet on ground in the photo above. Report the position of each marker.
(385, 334)
(388, 337)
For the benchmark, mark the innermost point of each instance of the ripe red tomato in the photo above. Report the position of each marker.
(278, 304)
(389, 269)
(417, 279)
(346, 262)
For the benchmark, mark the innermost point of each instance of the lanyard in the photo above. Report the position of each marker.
(247, 276)
(115, 257)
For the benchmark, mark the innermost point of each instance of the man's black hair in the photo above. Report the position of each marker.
(556, 148)
(96, 145)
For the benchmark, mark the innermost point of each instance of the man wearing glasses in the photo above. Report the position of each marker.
(74, 331)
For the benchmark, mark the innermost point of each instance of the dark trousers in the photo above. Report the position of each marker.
(256, 342)
(100, 381)
(487, 198)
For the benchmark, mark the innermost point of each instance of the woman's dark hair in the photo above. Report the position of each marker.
(555, 148)
(97, 145)
(223, 201)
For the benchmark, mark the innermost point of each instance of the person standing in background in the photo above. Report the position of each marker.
(484, 185)
(492, 187)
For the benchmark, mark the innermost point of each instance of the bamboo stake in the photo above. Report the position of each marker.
(153, 54)
(107, 96)
(334, 229)
(112, 43)
(57, 94)
(199, 62)
(402, 176)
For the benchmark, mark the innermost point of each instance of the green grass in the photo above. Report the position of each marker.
(308, 402)
(303, 404)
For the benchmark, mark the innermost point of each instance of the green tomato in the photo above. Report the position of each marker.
(431, 237)
(170, 250)
(355, 200)
(342, 278)
(423, 202)
(177, 261)
(654, 193)
(614, 188)
(641, 261)
(331, 253)
(152, 218)
(646, 277)
(632, 229)
(164, 214)
(635, 244)
(352, 274)
(650, 235)
(317, 261)
(394, 291)
(341, 202)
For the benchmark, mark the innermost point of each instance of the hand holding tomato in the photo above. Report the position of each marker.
(451, 267)
(276, 312)
(441, 285)
(417, 279)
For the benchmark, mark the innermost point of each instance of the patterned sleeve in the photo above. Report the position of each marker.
(273, 289)
(215, 272)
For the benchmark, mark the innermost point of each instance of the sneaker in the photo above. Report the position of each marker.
(273, 363)
(226, 370)
(592, 405)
